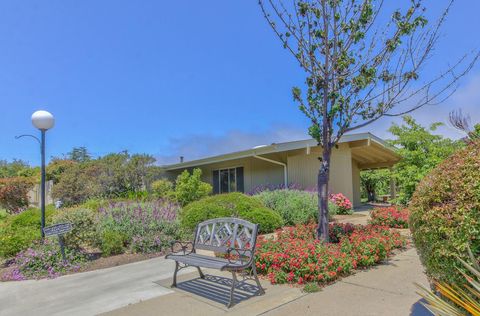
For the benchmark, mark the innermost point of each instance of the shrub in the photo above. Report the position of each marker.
(43, 260)
(445, 212)
(230, 205)
(14, 193)
(94, 204)
(113, 243)
(189, 187)
(162, 189)
(18, 232)
(344, 206)
(297, 257)
(84, 231)
(390, 216)
(295, 207)
(141, 223)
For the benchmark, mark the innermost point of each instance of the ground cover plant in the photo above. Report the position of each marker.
(43, 260)
(296, 256)
(18, 232)
(391, 216)
(445, 215)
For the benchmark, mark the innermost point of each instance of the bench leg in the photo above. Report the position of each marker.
(234, 281)
(201, 273)
(174, 284)
(261, 291)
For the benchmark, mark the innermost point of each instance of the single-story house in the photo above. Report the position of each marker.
(294, 162)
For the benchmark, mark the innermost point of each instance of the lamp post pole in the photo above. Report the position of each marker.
(42, 183)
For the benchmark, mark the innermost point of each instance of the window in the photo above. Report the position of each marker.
(228, 180)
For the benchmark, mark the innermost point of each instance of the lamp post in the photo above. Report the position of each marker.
(44, 121)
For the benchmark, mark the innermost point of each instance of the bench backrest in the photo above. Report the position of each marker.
(219, 234)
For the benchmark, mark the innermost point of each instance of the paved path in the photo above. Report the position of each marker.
(87, 293)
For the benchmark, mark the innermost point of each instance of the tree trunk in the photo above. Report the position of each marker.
(322, 182)
(371, 196)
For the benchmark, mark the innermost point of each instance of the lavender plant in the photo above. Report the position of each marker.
(146, 226)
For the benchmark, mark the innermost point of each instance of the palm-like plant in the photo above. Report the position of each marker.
(465, 299)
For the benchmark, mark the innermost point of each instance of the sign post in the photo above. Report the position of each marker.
(59, 230)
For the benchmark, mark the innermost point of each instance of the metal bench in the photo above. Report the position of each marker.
(233, 237)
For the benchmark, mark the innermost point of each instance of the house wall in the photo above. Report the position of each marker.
(256, 172)
(302, 169)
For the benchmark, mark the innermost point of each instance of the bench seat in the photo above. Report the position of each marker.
(197, 260)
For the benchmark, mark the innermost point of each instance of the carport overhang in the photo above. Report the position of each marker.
(373, 154)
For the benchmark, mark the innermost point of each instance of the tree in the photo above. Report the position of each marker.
(463, 123)
(79, 154)
(375, 182)
(14, 193)
(421, 151)
(13, 169)
(358, 70)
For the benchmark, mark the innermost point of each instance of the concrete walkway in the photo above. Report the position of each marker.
(87, 293)
(386, 289)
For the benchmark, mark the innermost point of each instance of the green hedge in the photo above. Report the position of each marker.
(445, 214)
(230, 205)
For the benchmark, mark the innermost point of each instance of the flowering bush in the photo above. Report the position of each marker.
(14, 193)
(390, 216)
(43, 260)
(136, 223)
(297, 257)
(342, 202)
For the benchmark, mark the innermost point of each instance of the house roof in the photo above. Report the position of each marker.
(379, 143)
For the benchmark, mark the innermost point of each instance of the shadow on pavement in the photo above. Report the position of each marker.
(217, 289)
(419, 310)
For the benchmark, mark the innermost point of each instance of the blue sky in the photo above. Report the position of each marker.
(171, 78)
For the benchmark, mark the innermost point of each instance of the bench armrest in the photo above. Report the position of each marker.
(184, 245)
(244, 256)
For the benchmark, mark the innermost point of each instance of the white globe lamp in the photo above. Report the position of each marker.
(43, 120)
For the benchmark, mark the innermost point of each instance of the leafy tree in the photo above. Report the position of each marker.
(421, 151)
(358, 69)
(13, 169)
(79, 154)
(375, 182)
(190, 187)
(57, 167)
(77, 184)
(14, 193)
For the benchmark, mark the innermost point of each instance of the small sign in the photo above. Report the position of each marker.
(57, 229)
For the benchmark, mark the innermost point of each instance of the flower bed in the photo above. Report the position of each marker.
(390, 216)
(342, 203)
(297, 257)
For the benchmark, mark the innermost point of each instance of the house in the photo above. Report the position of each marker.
(293, 162)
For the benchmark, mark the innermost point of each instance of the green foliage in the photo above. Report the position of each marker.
(15, 168)
(44, 260)
(189, 187)
(84, 221)
(79, 154)
(95, 204)
(14, 193)
(375, 183)
(311, 288)
(78, 183)
(144, 226)
(421, 151)
(56, 168)
(112, 176)
(230, 205)
(113, 243)
(295, 206)
(445, 214)
(18, 232)
(162, 188)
